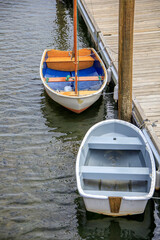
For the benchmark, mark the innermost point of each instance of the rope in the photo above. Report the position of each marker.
(99, 51)
(68, 77)
(157, 198)
(99, 77)
(108, 93)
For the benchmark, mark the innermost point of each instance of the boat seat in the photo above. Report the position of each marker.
(115, 193)
(116, 143)
(68, 59)
(116, 173)
(63, 79)
(65, 63)
(80, 93)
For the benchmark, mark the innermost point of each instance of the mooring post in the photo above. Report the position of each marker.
(125, 59)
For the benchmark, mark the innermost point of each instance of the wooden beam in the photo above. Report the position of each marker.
(75, 45)
(125, 61)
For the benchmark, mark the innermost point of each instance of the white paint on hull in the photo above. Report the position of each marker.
(75, 103)
(128, 207)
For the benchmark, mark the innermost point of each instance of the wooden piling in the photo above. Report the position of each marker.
(125, 58)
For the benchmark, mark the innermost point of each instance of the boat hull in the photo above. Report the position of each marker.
(102, 206)
(76, 104)
(58, 78)
(115, 169)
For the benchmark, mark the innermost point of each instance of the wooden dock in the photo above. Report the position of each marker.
(146, 55)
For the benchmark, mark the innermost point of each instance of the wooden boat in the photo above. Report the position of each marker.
(58, 77)
(75, 79)
(115, 169)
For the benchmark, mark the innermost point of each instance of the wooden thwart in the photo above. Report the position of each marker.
(71, 79)
(68, 59)
(116, 173)
(68, 64)
(58, 53)
(123, 143)
(80, 93)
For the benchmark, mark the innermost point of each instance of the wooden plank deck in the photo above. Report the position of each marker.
(146, 54)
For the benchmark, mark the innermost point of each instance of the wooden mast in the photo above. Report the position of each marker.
(75, 45)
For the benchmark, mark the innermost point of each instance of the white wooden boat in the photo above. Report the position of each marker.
(74, 79)
(115, 169)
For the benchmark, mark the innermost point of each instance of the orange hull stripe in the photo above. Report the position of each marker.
(77, 111)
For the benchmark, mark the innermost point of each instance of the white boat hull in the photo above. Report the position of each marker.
(75, 104)
(102, 206)
(115, 169)
(72, 100)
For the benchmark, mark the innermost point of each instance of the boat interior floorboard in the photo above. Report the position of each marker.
(115, 159)
(127, 158)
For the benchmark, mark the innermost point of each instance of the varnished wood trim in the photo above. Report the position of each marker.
(115, 203)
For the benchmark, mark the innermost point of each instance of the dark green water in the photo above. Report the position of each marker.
(39, 139)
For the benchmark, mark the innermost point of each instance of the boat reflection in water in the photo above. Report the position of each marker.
(95, 226)
(59, 119)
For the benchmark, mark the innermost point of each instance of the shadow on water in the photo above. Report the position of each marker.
(93, 226)
(60, 119)
(157, 215)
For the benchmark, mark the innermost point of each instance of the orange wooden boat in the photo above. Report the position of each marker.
(74, 79)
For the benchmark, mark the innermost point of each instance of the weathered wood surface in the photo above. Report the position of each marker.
(125, 59)
(146, 53)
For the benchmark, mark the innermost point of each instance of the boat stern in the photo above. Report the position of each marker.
(115, 206)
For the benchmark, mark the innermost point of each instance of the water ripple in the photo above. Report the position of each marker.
(39, 139)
